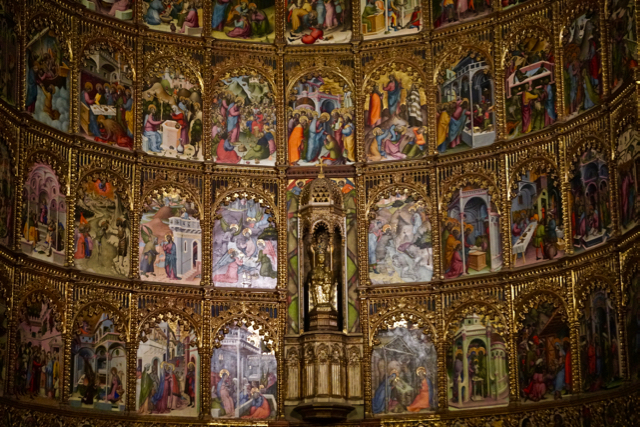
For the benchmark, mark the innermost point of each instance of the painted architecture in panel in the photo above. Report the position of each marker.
(390, 18)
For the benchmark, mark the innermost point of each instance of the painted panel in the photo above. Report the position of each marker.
(623, 40)
(106, 99)
(318, 22)
(447, 12)
(7, 195)
(9, 47)
(628, 174)
(633, 326)
(243, 20)
(390, 18)
(182, 17)
(119, 9)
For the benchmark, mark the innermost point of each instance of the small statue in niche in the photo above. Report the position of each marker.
(322, 284)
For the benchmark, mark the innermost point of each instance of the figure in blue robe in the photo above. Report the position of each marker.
(32, 89)
(160, 391)
(316, 140)
(127, 107)
(93, 120)
(379, 403)
(219, 15)
(550, 103)
(153, 13)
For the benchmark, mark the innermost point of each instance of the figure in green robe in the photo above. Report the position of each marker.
(266, 270)
(146, 386)
(369, 10)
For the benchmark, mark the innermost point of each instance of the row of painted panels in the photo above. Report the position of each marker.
(404, 364)
(320, 107)
(308, 22)
(400, 239)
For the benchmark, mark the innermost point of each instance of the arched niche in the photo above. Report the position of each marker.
(404, 363)
(245, 240)
(102, 223)
(169, 226)
(399, 215)
(244, 117)
(106, 105)
(172, 91)
(44, 208)
(477, 356)
(168, 358)
(318, 99)
(99, 351)
(244, 358)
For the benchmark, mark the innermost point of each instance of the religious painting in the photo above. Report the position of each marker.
(464, 106)
(582, 64)
(168, 372)
(544, 354)
(399, 245)
(623, 42)
(244, 20)
(318, 22)
(44, 215)
(404, 371)
(119, 9)
(321, 126)
(589, 201)
(447, 12)
(599, 343)
(537, 229)
(350, 202)
(170, 245)
(7, 195)
(390, 18)
(245, 246)
(471, 234)
(294, 189)
(628, 174)
(244, 376)
(633, 326)
(172, 115)
(4, 349)
(530, 87)
(48, 73)
(102, 236)
(396, 115)
(9, 52)
(40, 354)
(508, 4)
(181, 17)
(477, 365)
(244, 121)
(98, 365)
(106, 98)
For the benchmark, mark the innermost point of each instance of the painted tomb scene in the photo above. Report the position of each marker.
(244, 121)
(244, 20)
(175, 16)
(7, 195)
(628, 174)
(471, 234)
(168, 372)
(102, 236)
(599, 343)
(633, 326)
(530, 87)
(172, 115)
(244, 382)
(477, 365)
(40, 354)
(9, 50)
(465, 117)
(245, 246)
(537, 231)
(4, 349)
(544, 354)
(106, 99)
(589, 201)
(623, 41)
(170, 245)
(390, 18)
(119, 9)
(318, 21)
(44, 216)
(98, 365)
(320, 123)
(404, 371)
(47, 87)
(396, 115)
(447, 12)
(582, 64)
(399, 245)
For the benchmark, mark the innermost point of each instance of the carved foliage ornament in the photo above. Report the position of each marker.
(42, 24)
(245, 189)
(540, 164)
(178, 64)
(594, 281)
(532, 26)
(247, 315)
(477, 50)
(96, 308)
(102, 44)
(393, 190)
(59, 166)
(42, 291)
(398, 65)
(100, 171)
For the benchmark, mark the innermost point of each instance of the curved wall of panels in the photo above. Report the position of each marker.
(484, 162)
